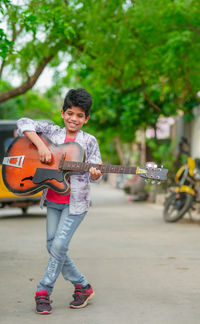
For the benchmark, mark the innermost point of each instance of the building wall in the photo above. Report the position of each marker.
(195, 134)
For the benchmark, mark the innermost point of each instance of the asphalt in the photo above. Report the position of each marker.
(142, 269)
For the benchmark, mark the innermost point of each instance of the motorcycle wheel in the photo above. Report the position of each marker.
(175, 208)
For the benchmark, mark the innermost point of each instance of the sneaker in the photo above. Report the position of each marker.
(81, 296)
(43, 303)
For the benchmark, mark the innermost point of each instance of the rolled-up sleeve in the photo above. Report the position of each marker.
(45, 127)
(25, 124)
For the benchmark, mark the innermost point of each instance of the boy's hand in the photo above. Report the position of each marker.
(43, 151)
(95, 173)
(44, 154)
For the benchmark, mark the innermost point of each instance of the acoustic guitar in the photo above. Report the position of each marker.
(24, 174)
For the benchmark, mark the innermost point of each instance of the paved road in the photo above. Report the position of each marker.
(143, 270)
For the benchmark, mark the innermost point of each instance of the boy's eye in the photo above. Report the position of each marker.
(71, 113)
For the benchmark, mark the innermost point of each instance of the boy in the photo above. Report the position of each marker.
(65, 212)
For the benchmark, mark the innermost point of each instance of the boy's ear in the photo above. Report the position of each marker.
(87, 118)
(62, 113)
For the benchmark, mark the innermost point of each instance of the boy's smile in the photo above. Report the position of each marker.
(74, 118)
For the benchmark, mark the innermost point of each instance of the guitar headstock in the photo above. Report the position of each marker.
(153, 172)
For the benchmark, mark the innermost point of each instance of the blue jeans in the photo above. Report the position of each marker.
(60, 229)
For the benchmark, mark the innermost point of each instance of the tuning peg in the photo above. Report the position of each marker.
(158, 182)
(153, 182)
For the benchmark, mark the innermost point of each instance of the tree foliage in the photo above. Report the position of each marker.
(37, 32)
(139, 59)
(140, 62)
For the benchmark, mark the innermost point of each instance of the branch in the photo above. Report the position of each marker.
(143, 85)
(151, 102)
(1, 67)
(196, 30)
(15, 34)
(28, 84)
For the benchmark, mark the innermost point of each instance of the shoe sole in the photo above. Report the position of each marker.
(85, 302)
(43, 313)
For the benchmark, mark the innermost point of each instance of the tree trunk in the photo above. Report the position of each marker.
(119, 150)
(143, 148)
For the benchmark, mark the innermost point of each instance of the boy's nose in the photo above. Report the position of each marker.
(74, 118)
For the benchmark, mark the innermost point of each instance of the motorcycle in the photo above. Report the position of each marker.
(184, 195)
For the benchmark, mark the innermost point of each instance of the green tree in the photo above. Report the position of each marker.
(140, 62)
(139, 59)
(32, 104)
(37, 33)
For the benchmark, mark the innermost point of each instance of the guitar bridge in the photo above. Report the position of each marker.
(17, 163)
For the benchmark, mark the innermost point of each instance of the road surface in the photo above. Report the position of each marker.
(142, 269)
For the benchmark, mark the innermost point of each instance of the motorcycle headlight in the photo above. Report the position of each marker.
(196, 174)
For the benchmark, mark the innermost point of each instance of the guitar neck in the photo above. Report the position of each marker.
(105, 168)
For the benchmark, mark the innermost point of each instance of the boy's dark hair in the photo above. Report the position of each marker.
(78, 98)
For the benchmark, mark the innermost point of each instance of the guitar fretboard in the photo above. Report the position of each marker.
(105, 168)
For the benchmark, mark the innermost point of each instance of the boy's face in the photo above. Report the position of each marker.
(74, 118)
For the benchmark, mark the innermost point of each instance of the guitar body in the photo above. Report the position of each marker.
(24, 174)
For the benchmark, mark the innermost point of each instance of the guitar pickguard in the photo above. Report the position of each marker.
(42, 175)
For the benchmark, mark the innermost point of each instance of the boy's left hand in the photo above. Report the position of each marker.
(95, 173)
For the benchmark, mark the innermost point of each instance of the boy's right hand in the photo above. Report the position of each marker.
(44, 154)
(43, 151)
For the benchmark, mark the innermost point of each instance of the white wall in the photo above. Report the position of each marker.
(195, 134)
